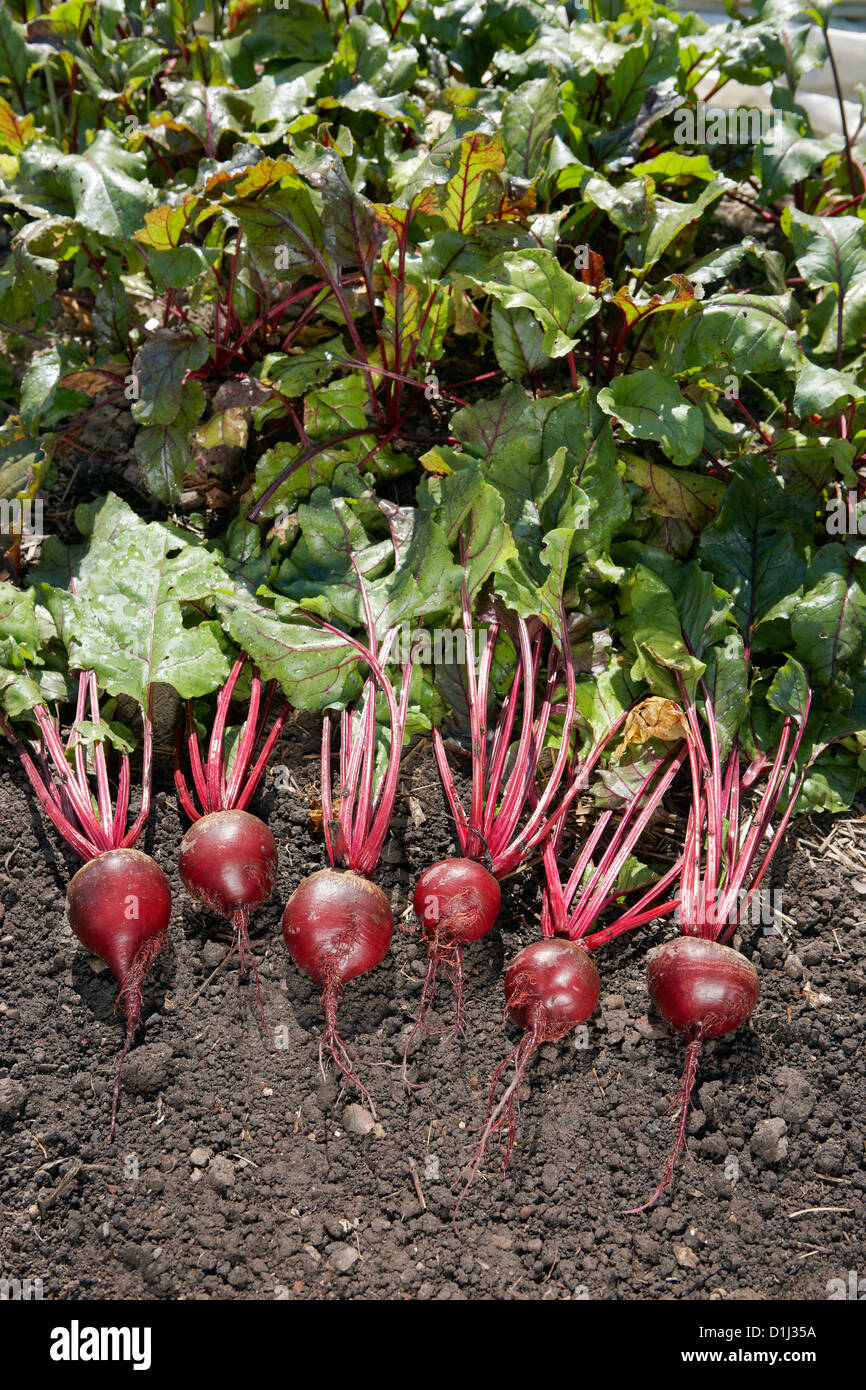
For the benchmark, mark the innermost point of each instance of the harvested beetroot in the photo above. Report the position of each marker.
(550, 988)
(119, 902)
(457, 902)
(338, 925)
(228, 859)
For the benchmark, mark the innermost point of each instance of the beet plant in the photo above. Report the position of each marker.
(228, 859)
(761, 726)
(338, 923)
(552, 985)
(130, 614)
(119, 901)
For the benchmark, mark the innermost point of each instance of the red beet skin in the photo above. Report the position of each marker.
(552, 984)
(701, 988)
(337, 925)
(550, 987)
(119, 905)
(117, 902)
(457, 899)
(228, 862)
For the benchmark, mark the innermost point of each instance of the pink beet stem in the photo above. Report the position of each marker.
(245, 744)
(265, 752)
(216, 785)
(132, 835)
(214, 792)
(363, 856)
(196, 766)
(503, 822)
(102, 787)
(325, 783)
(450, 789)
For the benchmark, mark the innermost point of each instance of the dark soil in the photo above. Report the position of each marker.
(283, 1201)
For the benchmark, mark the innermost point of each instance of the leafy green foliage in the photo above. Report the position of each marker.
(430, 295)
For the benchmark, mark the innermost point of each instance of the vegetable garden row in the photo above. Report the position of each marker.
(447, 337)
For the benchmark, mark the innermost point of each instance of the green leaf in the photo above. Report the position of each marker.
(130, 618)
(649, 405)
(474, 190)
(831, 783)
(668, 220)
(789, 691)
(314, 668)
(527, 122)
(788, 154)
(727, 684)
(163, 451)
(535, 280)
(831, 255)
(282, 229)
(350, 576)
(351, 232)
(600, 502)
(829, 621)
(676, 497)
(517, 339)
(745, 333)
(629, 205)
(470, 514)
(295, 375)
(160, 366)
(823, 390)
(104, 188)
(16, 55)
(808, 463)
(652, 629)
(756, 547)
(602, 700)
(703, 608)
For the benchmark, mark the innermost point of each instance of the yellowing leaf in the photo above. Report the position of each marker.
(654, 717)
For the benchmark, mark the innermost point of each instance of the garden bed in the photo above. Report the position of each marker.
(250, 1184)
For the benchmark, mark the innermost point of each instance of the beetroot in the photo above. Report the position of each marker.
(336, 926)
(228, 859)
(457, 902)
(339, 925)
(553, 985)
(507, 817)
(228, 863)
(550, 987)
(119, 902)
(700, 986)
(119, 905)
(702, 990)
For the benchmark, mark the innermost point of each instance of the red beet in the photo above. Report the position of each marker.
(702, 990)
(337, 925)
(456, 901)
(119, 905)
(228, 863)
(228, 859)
(550, 987)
